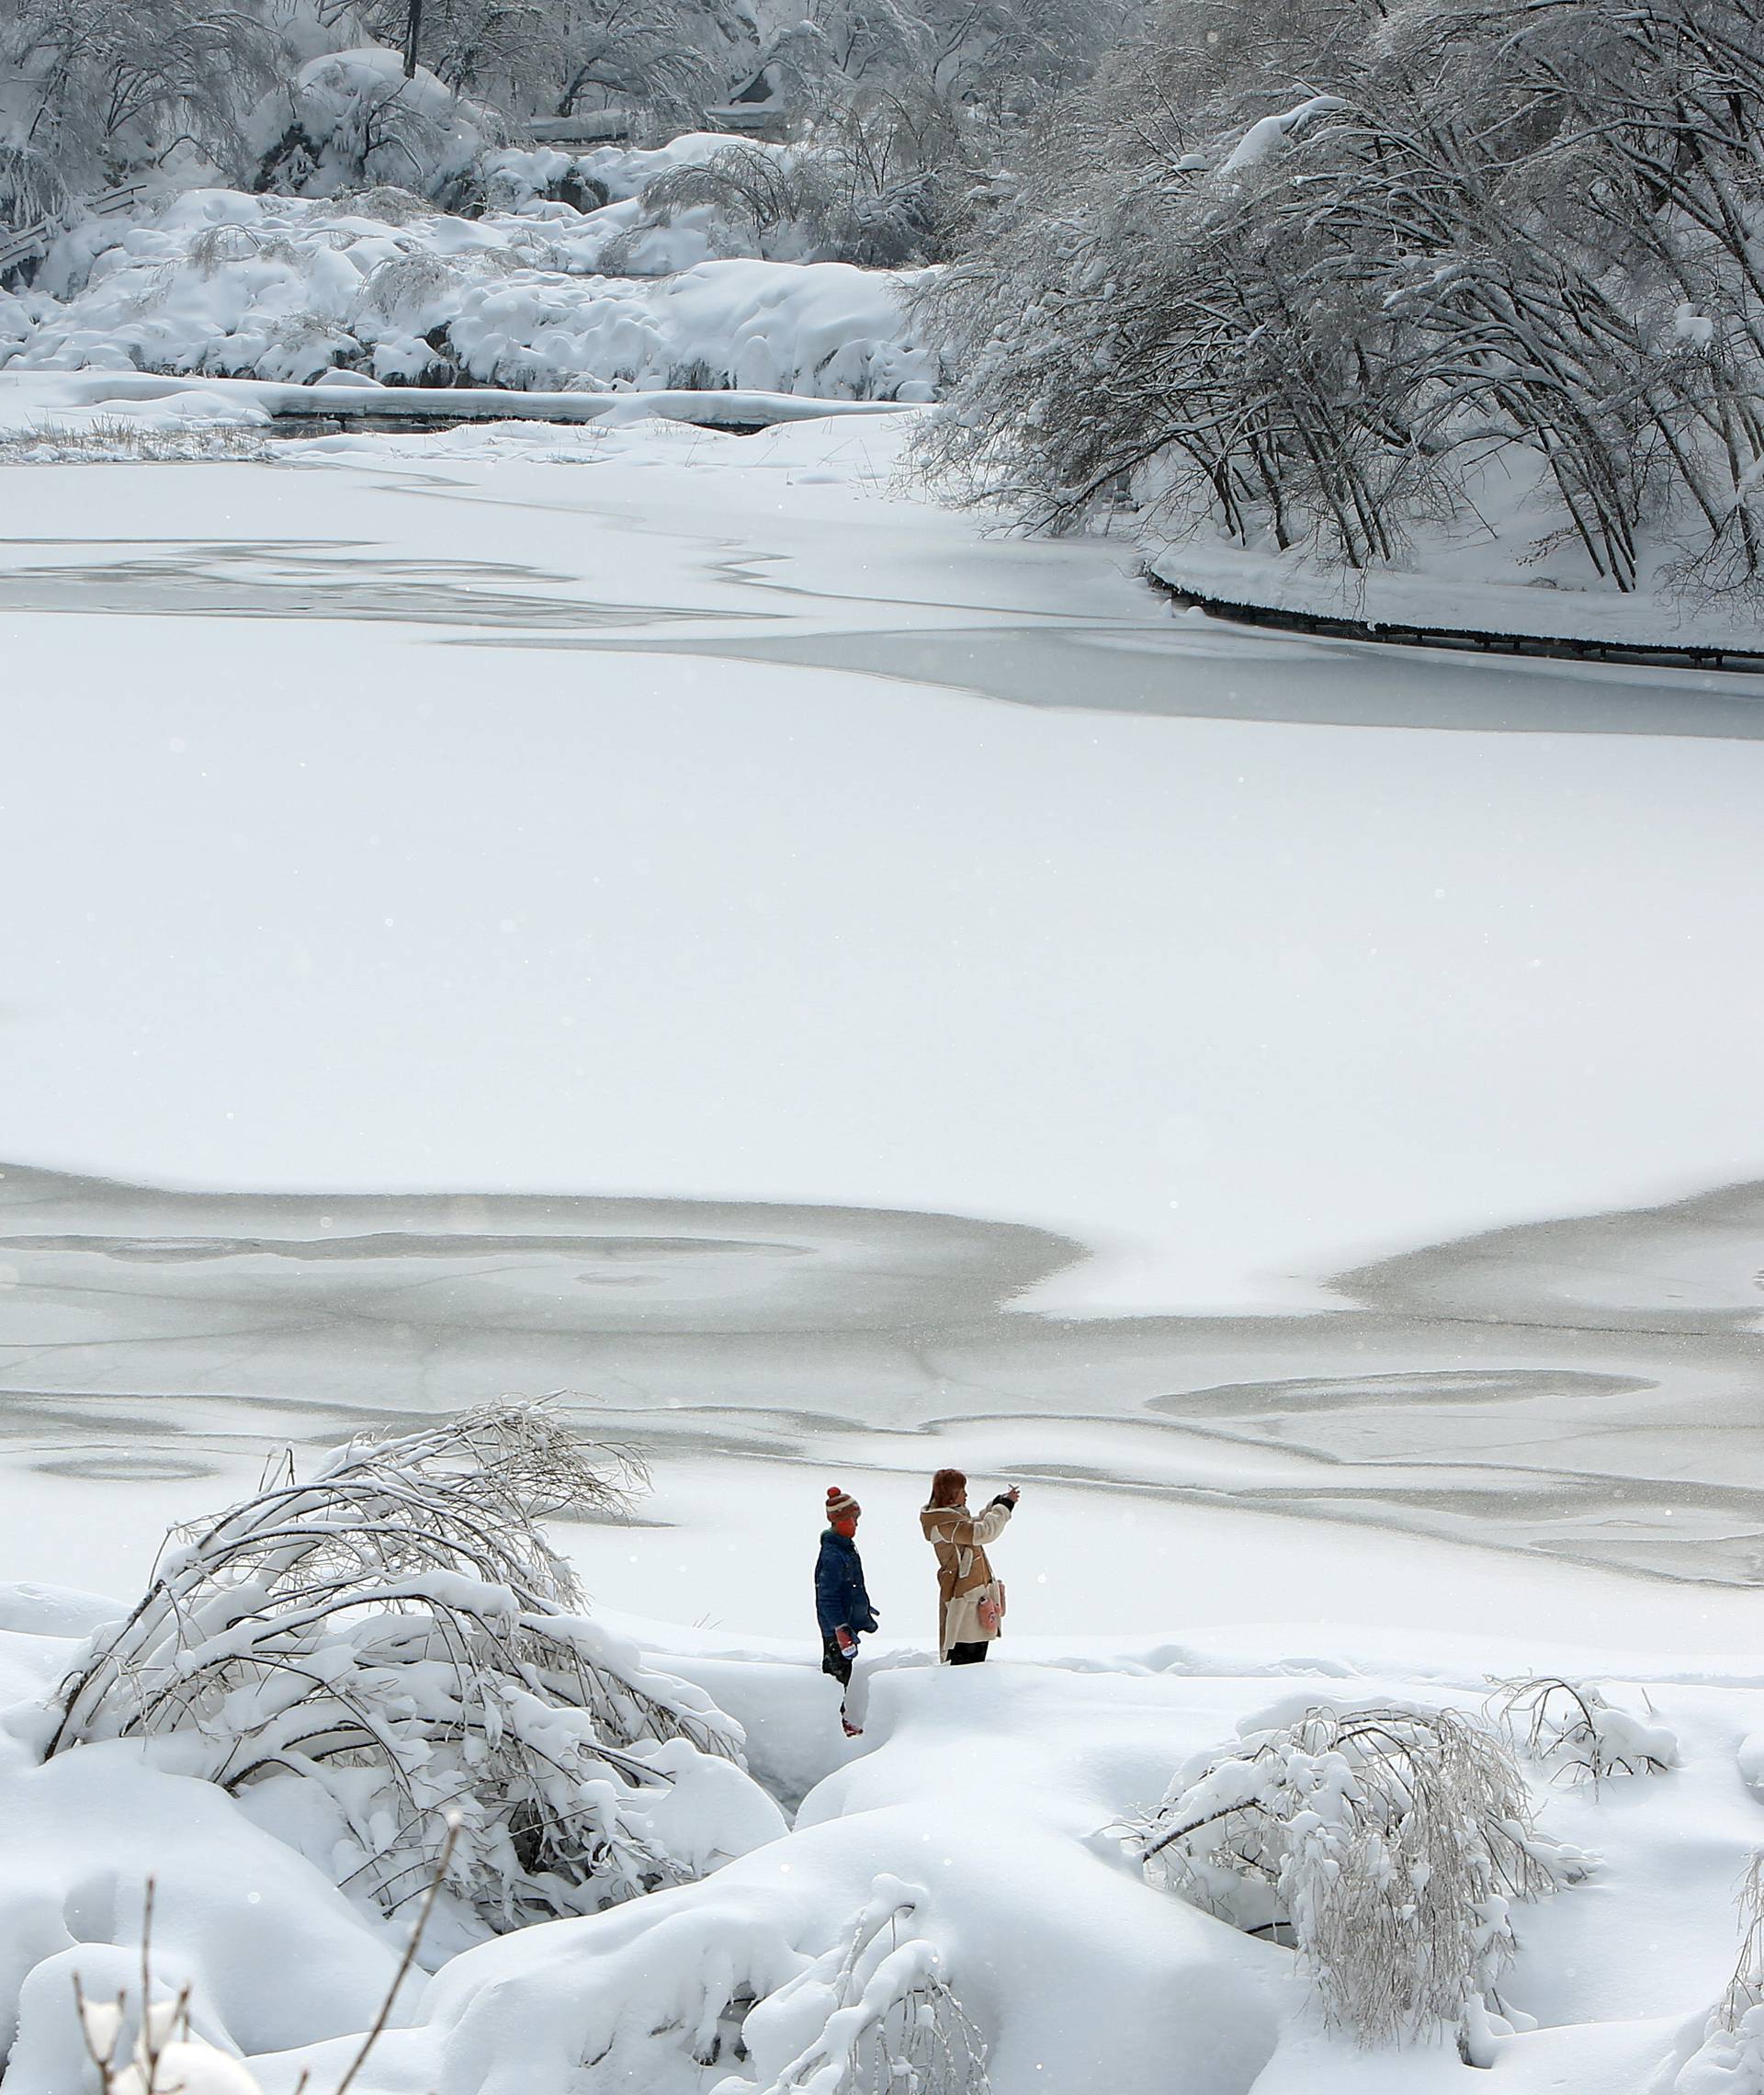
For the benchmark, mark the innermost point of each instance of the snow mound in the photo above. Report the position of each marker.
(274, 1954)
(28, 1608)
(288, 288)
(626, 171)
(964, 1857)
(954, 1906)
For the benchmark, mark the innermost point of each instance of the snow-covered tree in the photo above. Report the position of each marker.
(1386, 1845)
(91, 90)
(665, 58)
(352, 120)
(1315, 274)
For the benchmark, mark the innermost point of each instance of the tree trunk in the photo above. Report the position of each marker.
(412, 29)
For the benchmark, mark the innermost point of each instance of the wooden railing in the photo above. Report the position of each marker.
(594, 127)
(19, 246)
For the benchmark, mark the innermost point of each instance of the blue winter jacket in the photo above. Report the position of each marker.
(841, 1600)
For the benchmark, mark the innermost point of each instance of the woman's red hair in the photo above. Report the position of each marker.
(948, 1488)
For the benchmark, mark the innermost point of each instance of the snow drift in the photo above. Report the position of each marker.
(284, 289)
(958, 1899)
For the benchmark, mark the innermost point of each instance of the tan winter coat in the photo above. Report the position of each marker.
(964, 1576)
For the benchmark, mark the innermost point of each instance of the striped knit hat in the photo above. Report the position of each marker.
(839, 1503)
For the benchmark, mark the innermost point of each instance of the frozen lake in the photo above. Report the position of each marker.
(693, 927)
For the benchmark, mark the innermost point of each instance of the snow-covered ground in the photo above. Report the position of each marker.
(985, 1805)
(1498, 564)
(673, 918)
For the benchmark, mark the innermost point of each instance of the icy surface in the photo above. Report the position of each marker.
(522, 814)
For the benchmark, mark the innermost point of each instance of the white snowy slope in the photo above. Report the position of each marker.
(981, 1810)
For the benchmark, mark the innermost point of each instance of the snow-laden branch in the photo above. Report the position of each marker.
(871, 2016)
(1386, 1845)
(400, 1632)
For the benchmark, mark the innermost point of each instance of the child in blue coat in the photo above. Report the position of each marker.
(842, 1602)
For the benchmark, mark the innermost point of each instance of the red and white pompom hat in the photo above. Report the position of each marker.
(839, 1503)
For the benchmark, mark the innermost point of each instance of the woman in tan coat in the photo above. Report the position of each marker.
(971, 1601)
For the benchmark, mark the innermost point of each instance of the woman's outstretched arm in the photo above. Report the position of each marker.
(990, 1522)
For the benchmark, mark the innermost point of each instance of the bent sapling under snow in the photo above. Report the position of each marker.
(1570, 1727)
(1386, 1845)
(399, 1631)
(873, 2015)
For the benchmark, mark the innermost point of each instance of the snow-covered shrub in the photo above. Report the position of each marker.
(874, 187)
(873, 2015)
(352, 120)
(1731, 2058)
(399, 1633)
(388, 204)
(1569, 1725)
(1386, 1845)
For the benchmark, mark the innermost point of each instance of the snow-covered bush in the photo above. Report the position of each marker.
(1569, 1725)
(1386, 1845)
(879, 184)
(873, 2015)
(352, 118)
(398, 1634)
(1731, 2058)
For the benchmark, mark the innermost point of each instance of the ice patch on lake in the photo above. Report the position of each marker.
(150, 1332)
